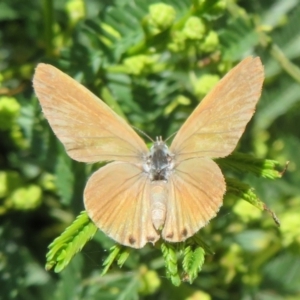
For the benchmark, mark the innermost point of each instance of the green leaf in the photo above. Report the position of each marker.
(272, 107)
(170, 257)
(123, 256)
(64, 176)
(114, 252)
(111, 102)
(248, 163)
(71, 241)
(238, 38)
(243, 191)
(192, 262)
(117, 252)
(70, 286)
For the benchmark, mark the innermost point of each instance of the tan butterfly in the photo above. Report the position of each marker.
(162, 192)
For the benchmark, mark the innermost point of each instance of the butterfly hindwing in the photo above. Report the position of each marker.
(117, 199)
(196, 190)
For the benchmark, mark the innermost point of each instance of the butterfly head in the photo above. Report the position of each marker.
(159, 161)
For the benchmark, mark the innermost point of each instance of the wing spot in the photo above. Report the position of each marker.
(184, 232)
(131, 240)
(170, 235)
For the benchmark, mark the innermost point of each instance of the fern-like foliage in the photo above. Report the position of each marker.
(265, 168)
(117, 252)
(151, 62)
(71, 241)
(192, 262)
(243, 191)
(170, 257)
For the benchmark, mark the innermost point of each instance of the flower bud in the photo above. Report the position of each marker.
(9, 111)
(194, 28)
(211, 42)
(205, 83)
(161, 16)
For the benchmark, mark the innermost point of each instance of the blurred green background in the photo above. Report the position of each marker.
(152, 64)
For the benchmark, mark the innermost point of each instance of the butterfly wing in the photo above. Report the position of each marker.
(117, 199)
(216, 125)
(88, 128)
(196, 189)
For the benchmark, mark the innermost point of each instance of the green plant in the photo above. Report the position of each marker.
(146, 62)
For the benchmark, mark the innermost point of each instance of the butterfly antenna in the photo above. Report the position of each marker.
(142, 132)
(171, 135)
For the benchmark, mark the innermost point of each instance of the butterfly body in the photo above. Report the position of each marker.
(159, 161)
(158, 198)
(143, 195)
(158, 167)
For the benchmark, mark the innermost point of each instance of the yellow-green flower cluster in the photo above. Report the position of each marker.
(16, 195)
(161, 16)
(219, 7)
(25, 198)
(191, 35)
(246, 211)
(290, 224)
(149, 281)
(196, 34)
(140, 64)
(204, 84)
(194, 28)
(192, 32)
(233, 262)
(47, 182)
(9, 113)
(76, 10)
(211, 42)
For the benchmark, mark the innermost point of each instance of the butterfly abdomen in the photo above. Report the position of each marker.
(158, 203)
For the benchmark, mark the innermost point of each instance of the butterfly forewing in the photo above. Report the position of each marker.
(196, 189)
(88, 128)
(117, 199)
(216, 125)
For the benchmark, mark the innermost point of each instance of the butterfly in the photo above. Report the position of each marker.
(166, 192)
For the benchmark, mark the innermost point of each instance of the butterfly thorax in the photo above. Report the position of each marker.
(159, 161)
